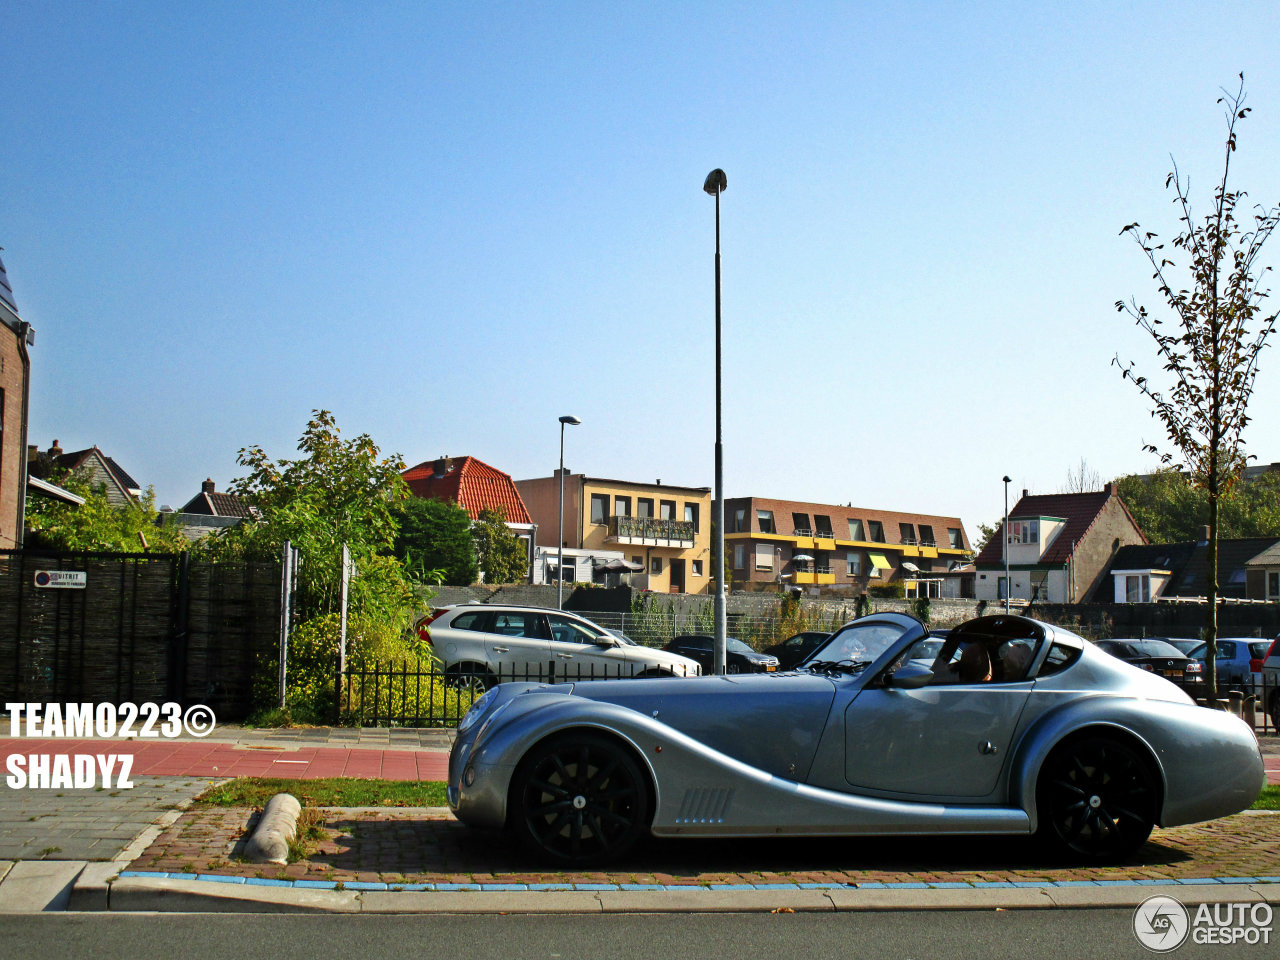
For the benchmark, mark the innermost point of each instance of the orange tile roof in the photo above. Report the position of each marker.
(472, 484)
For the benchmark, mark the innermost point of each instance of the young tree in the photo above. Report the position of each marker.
(436, 535)
(1210, 346)
(98, 524)
(1082, 479)
(499, 552)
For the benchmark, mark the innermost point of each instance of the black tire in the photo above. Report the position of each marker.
(1097, 798)
(579, 798)
(732, 668)
(473, 677)
(1274, 710)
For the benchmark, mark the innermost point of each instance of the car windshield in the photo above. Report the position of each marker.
(621, 638)
(1153, 648)
(858, 643)
(737, 646)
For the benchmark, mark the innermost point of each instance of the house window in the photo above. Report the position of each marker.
(822, 526)
(907, 532)
(801, 522)
(764, 520)
(697, 568)
(599, 508)
(1137, 589)
(876, 529)
(955, 538)
(1273, 584)
(691, 515)
(1024, 531)
(644, 507)
(639, 561)
(569, 572)
(622, 506)
(764, 556)
(926, 536)
(655, 565)
(739, 556)
(740, 520)
(1040, 585)
(854, 559)
(855, 530)
(666, 509)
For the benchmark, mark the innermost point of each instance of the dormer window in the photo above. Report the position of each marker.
(1024, 531)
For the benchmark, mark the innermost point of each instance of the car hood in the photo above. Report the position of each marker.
(770, 721)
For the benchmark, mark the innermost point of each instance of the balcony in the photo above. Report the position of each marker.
(648, 531)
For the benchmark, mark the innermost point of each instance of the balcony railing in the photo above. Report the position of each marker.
(650, 528)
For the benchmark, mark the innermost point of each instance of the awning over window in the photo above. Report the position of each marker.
(879, 561)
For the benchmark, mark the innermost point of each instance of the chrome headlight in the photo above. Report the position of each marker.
(478, 709)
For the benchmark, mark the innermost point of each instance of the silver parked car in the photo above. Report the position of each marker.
(1010, 726)
(481, 644)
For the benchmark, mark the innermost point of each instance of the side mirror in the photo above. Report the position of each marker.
(909, 676)
(606, 641)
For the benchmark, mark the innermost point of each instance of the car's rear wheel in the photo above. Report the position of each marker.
(1274, 709)
(580, 798)
(469, 677)
(1097, 798)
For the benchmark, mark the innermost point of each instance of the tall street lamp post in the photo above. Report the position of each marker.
(715, 185)
(1008, 585)
(571, 421)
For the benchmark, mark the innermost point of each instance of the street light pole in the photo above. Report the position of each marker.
(572, 421)
(715, 185)
(1008, 584)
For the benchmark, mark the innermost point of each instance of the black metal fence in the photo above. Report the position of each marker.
(421, 694)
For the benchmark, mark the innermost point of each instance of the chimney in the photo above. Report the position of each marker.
(33, 452)
(1109, 488)
(207, 486)
(1024, 493)
(443, 467)
(55, 450)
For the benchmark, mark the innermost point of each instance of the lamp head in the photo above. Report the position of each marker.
(1007, 480)
(571, 420)
(716, 182)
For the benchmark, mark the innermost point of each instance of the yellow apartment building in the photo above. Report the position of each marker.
(664, 531)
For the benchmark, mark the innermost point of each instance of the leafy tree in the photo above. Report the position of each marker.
(986, 533)
(436, 535)
(1170, 508)
(500, 553)
(1210, 349)
(98, 524)
(337, 492)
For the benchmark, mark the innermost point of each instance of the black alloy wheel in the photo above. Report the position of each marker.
(1097, 798)
(580, 798)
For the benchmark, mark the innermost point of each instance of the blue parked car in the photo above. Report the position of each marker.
(1239, 660)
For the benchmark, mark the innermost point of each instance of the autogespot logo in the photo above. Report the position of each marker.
(1161, 924)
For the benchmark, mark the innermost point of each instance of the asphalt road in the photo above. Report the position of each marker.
(925, 935)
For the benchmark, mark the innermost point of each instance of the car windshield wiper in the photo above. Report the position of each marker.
(837, 666)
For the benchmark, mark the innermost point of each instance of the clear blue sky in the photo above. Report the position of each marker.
(452, 223)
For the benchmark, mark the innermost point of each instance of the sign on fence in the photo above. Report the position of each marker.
(62, 579)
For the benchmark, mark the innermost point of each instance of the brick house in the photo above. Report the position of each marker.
(1060, 546)
(1248, 569)
(92, 465)
(209, 511)
(842, 549)
(662, 531)
(15, 390)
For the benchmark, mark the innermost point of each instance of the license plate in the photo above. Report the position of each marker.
(769, 669)
(1172, 673)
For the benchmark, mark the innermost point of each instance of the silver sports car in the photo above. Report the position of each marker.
(1006, 726)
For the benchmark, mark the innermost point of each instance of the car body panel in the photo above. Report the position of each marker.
(779, 754)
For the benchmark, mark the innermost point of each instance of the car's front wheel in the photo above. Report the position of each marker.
(1096, 798)
(580, 798)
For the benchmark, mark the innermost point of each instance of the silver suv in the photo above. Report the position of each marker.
(481, 644)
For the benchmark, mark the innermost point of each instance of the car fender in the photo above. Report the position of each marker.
(1226, 778)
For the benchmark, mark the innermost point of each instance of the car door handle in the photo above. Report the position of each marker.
(987, 749)
(501, 649)
(565, 656)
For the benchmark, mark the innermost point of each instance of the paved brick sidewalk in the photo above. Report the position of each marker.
(420, 846)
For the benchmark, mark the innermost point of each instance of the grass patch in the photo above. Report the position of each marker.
(1270, 799)
(327, 792)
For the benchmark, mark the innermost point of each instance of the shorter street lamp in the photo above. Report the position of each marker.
(1008, 587)
(573, 422)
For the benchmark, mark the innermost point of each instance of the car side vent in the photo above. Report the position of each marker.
(705, 805)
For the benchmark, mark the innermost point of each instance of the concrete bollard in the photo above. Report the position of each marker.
(1250, 712)
(1235, 702)
(278, 825)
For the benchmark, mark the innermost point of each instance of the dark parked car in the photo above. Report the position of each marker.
(1158, 656)
(794, 649)
(739, 658)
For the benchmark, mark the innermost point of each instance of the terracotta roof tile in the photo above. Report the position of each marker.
(472, 484)
(1079, 510)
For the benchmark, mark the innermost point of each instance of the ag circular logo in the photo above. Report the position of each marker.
(1161, 924)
